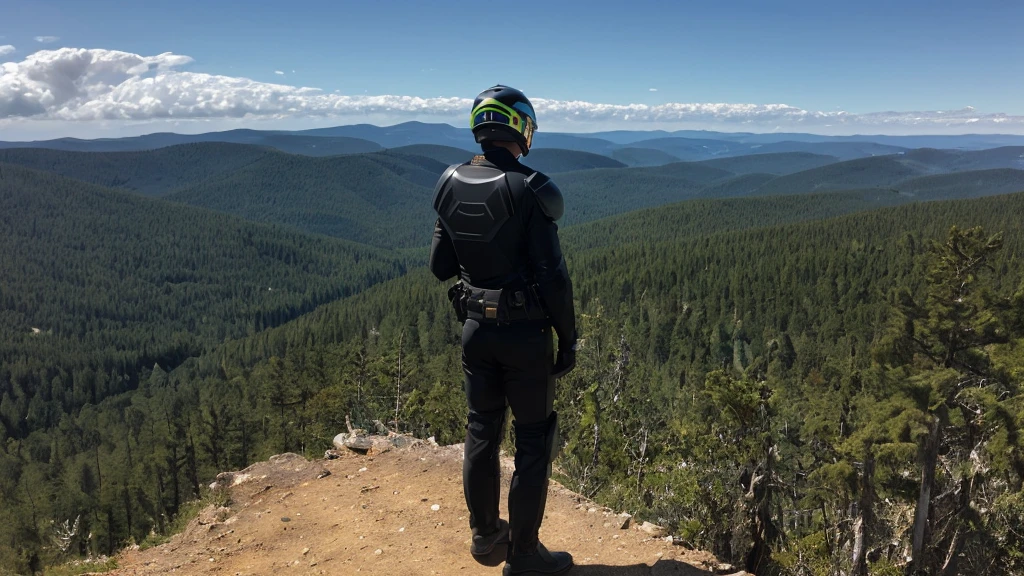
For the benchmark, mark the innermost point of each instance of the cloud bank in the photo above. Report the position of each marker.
(96, 85)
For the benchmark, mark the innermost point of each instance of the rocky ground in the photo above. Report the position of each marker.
(394, 511)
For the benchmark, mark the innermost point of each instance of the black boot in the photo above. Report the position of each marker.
(541, 562)
(481, 480)
(483, 544)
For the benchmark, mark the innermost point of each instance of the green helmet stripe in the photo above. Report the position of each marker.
(492, 104)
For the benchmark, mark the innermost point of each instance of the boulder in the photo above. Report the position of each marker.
(654, 530)
(339, 440)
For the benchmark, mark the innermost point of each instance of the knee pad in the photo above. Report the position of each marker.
(537, 446)
(553, 440)
(483, 434)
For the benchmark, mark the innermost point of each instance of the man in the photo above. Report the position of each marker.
(496, 230)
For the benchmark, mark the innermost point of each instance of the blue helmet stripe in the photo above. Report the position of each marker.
(526, 109)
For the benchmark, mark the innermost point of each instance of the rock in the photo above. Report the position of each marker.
(364, 444)
(435, 507)
(358, 443)
(404, 441)
(380, 445)
(378, 551)
(432, 441)
(339, 441)
(667, 567)
(331, 455)
(654, 530)
(323, 474)
(380, 428)
(724, 568)
(285, 459)
(624, 521)
(214, 515)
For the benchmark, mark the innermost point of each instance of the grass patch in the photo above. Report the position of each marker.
(186, 513)
(81, 567)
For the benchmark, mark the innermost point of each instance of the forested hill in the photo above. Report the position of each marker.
(381, 199)
(150, 172)
(293, 142)
(96, 284)
(712, 251)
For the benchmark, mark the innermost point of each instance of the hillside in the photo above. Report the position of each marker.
(295, 143)
(446, 155)
(693, 149)
(861, 173)
(706, 217)
(780, 163)
(746, 185)
(150, 172)
(964, 184)
(643, 157)
(956, 160)
(402, 134)
(553, 160)
(378, 520)
(381, 199)
(593, 194)
(841, 150)
(98, 285)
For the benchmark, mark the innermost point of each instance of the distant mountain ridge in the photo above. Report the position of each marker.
(690, 145)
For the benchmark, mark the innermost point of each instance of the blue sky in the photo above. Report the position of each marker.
(859, 57)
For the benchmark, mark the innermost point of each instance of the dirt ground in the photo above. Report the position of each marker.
(397, 513)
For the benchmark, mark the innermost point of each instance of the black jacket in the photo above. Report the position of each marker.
(496, 229)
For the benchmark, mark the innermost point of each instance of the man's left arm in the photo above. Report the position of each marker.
(444, 262)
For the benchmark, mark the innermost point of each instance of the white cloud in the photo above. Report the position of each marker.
(279, 72)
(106, 85)
(47, 39)
(6, 49)
(653, 89)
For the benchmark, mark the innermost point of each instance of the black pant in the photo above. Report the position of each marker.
(508, 366)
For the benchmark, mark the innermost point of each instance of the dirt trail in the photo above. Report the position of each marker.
(397, 513)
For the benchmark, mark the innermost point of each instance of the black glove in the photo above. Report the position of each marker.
(565, 361)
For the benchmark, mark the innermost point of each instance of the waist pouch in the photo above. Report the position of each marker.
(497, 306)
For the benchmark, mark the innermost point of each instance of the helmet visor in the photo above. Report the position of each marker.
(529, 128)
(492, 116)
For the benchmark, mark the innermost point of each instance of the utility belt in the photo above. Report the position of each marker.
(501, 306)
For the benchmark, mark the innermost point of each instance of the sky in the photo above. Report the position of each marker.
(97, 68)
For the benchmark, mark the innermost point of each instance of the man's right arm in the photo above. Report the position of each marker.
(542, 207)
